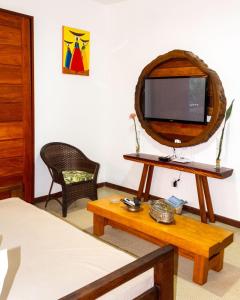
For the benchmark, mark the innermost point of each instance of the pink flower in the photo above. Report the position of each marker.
(132, 116)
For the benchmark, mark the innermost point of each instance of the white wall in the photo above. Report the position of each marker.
(140, 31)
(66, 106)
(125, 36)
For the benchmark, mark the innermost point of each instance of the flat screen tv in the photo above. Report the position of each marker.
(180, 99)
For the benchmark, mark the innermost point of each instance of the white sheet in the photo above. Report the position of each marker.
(56, 258)
(3, 267)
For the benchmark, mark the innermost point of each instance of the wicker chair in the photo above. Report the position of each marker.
(63, 157)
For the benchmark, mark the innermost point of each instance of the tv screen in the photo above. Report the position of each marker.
(175, 99)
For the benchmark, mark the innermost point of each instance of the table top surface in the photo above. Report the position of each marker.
(190, 167)
(185, 232)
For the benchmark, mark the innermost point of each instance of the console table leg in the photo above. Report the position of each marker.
(208, 199)
(201, 199)
(142, 181)
(149, 181)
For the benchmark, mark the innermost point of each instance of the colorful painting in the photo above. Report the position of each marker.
(76, 43)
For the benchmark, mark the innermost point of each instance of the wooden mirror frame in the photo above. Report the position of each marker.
(180, 63)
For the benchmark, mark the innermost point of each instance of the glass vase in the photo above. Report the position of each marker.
(137, 142)
(137, 149)
(218, 164)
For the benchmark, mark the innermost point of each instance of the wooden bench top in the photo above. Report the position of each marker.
(185, 233)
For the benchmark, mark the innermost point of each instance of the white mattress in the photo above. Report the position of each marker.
(55, 258)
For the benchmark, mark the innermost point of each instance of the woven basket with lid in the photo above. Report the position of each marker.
(161, 211)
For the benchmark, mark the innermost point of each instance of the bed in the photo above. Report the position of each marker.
(50, 259)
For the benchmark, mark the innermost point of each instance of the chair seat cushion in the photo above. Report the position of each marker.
(76, 176)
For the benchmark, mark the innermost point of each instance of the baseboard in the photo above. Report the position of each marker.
(193, 210)
(101, 184)
(44, 198)
(120, 188)
(222, 219)
(59, 194)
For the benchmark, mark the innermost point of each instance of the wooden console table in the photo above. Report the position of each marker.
(201, 171)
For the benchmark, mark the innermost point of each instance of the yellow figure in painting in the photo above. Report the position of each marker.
(75, 51)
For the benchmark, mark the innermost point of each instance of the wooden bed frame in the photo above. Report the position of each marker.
(154, 285)
(162, 260)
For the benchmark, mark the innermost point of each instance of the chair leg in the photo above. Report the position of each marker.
(94, 194)
(49, 194)
(64, 210)
(64, 203)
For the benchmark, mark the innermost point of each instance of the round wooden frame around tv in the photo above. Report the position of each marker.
(180, 63)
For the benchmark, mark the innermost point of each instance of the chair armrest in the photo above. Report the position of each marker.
(97, 166)
(56, 174)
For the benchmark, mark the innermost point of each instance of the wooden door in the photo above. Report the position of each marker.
(16, 106)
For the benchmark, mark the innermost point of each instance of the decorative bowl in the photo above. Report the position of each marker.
(133, 205)
(133, 209)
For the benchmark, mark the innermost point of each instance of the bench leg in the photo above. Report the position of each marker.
(200, 270)
(98, 225)
(216, 263)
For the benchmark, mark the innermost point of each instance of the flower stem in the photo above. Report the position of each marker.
(135, 127)
(227, 116)
(221, 141)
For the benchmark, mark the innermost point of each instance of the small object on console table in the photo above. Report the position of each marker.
(165, 158)
(182, 160)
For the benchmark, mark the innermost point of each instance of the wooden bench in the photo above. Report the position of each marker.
(203, 243)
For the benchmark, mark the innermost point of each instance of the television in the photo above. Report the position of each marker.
(176, 99)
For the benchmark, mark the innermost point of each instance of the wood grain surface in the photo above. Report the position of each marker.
(16, 103)
(190, 167)
(203, 243)
(186, 233)
(181, 63)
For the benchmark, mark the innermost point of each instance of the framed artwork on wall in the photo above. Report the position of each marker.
(75, 50)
